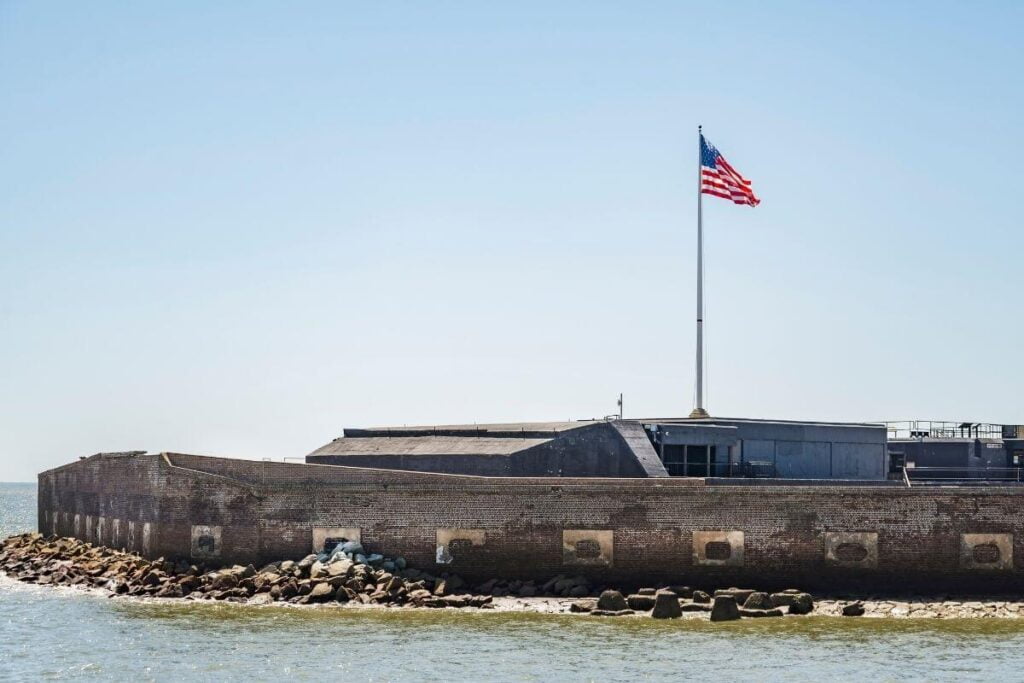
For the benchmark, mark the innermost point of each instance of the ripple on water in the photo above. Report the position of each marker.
(68, 634)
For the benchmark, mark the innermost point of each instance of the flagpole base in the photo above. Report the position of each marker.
(698, 412)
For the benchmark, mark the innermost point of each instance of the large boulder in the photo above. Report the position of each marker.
(785, 598)
(339, 567)
(572, 586)
(666, 606)
(583, 606)
(801, 604)
(321, 592)
(758, 600)
(224, 581)
(853, 609)
(612, 601)
(261, 599)
(682, 591)
(724, 609)
(640, 602)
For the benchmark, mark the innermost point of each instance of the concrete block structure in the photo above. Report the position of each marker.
(769, 533)
(623, 448)
(589, 448)
(957, 451)
(732, 447)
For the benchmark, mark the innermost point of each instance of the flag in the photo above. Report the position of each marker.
(719, 179)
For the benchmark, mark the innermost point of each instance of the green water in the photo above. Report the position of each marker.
(62, 633)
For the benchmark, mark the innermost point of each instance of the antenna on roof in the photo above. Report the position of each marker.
(620, 405)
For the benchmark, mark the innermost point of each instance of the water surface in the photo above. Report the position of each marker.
(66, 634)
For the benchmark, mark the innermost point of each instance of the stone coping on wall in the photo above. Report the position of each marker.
(739, 481)
(251, 474)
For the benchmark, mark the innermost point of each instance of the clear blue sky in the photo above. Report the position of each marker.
(235, 228)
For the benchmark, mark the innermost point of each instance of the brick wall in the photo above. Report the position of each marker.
(628, 531)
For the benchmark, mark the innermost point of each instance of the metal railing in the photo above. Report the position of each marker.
(963, 474)
(939, 429)
(750, 469)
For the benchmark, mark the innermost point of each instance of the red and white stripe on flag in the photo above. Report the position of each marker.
(718, 178)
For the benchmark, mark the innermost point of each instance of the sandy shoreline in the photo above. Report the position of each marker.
(887, 608)
(908, 608)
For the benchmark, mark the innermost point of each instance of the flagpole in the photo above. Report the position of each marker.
(699, 410)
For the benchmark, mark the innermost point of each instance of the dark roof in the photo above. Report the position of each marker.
(427, 444)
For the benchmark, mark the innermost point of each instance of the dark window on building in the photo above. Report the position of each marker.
(689, 461)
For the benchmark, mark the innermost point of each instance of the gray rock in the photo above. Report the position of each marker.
(783, 599)
(666, 606)
(701, 596)
(801, 604)
(261, 599)
(641, 602)
(583, 606)
(758, 600)
(352, 547)
(457, 600)
(561, 583)
(572, 586)
(854, 609)
(306, 562)
(612, 601)
(682, 591)
(646, 591)
(527, 590)
(321, 592)
(339, 568)
(724, 609)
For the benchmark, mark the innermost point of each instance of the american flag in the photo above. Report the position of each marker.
(720, 179)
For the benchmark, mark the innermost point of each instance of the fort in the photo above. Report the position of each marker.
(715, 502)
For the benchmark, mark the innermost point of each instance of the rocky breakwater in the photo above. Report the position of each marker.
(673, 602)
(349, 575)
(346, 575)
